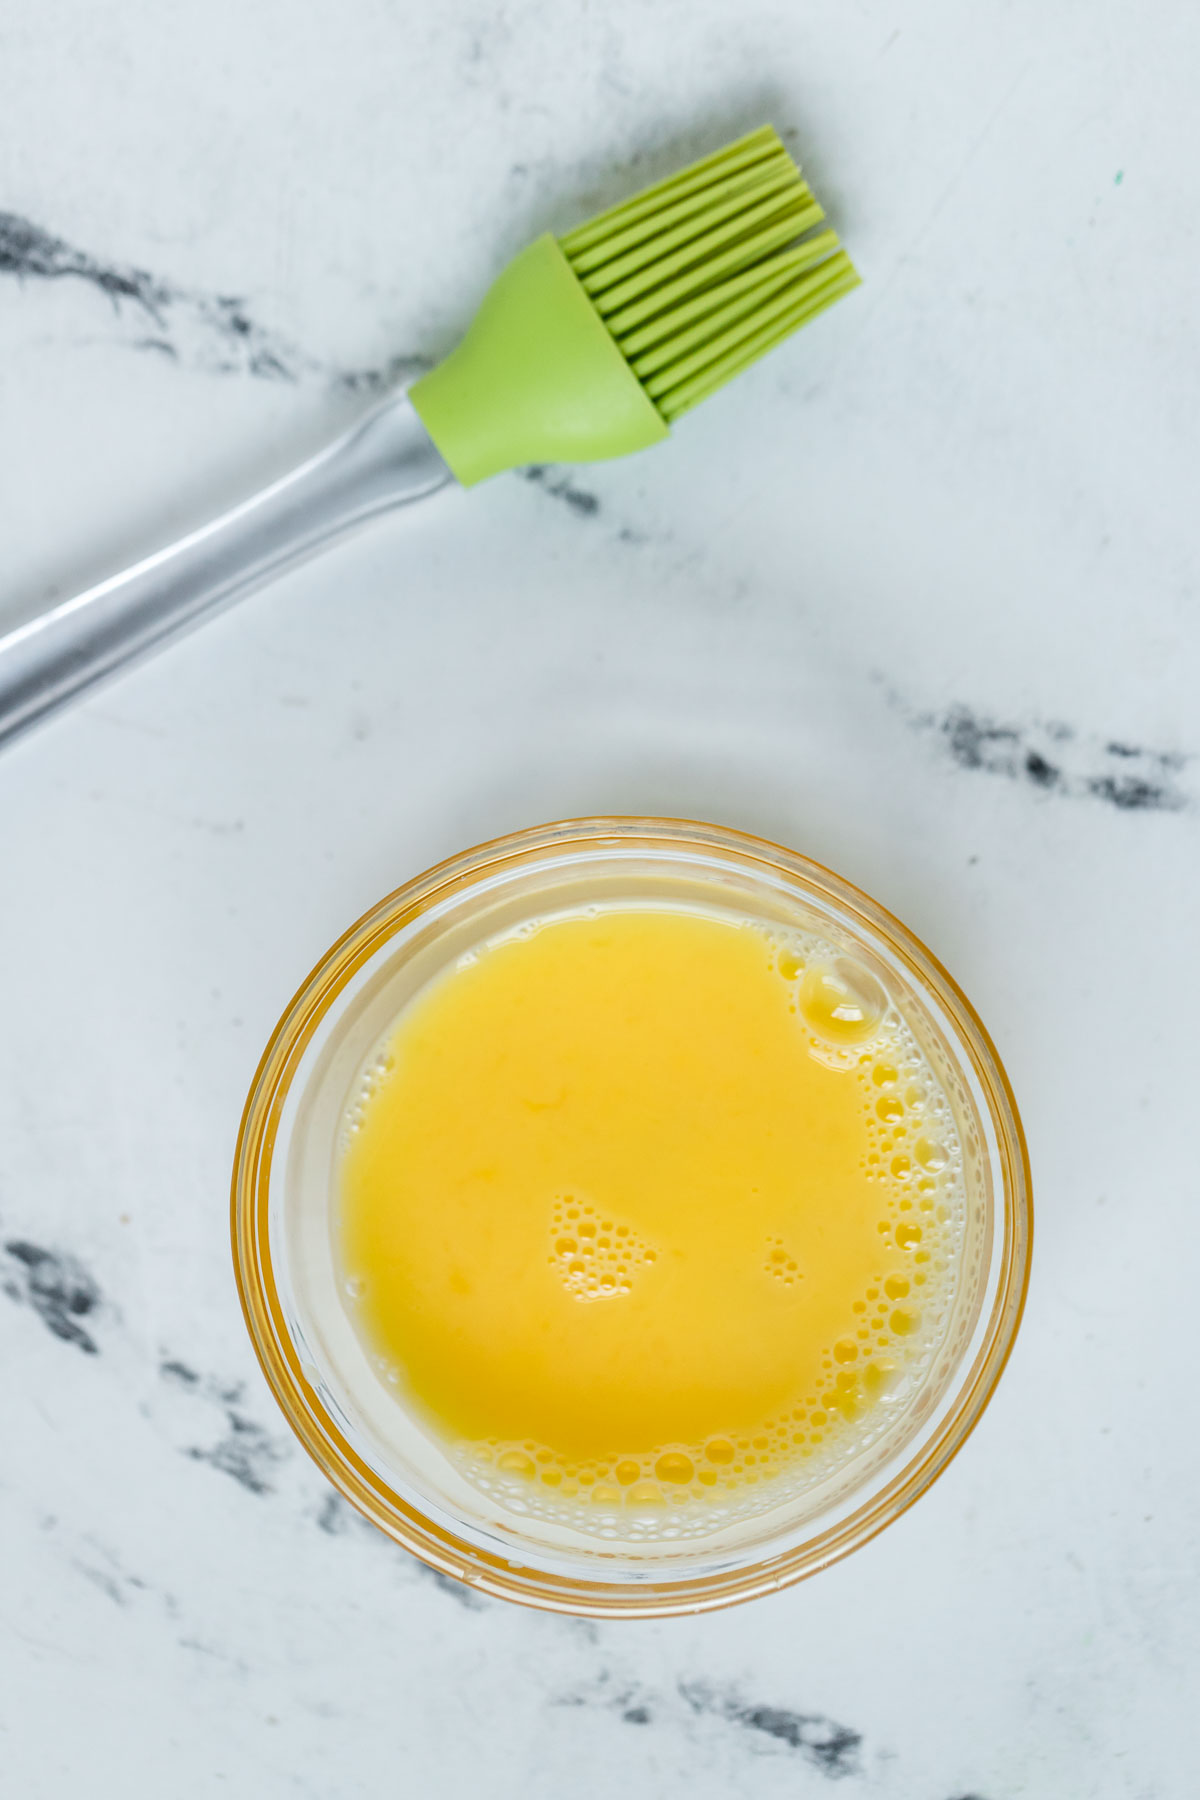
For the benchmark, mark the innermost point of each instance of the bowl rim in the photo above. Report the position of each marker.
(488, 1572)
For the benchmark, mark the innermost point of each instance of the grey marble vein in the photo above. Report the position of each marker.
(212, 332)
(560, 486)
(1054, 758)
(833, 1749)
(246, 1452)
(57, 1286)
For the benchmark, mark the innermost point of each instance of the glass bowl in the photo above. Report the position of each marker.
(371, 1449)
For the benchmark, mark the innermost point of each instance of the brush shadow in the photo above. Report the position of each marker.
(660, 150)
(616, 173)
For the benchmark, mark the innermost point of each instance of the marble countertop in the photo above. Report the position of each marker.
(918, 596)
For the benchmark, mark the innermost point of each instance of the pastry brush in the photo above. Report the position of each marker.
(587, 346)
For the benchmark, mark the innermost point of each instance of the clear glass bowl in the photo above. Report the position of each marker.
(364, 1440)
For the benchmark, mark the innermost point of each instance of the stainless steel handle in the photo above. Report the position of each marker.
(384, 461)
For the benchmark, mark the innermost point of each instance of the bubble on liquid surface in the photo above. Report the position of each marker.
(780, 1264)
(841, 1002)
(931, 1155)
(517, 1462)
(595, 1258)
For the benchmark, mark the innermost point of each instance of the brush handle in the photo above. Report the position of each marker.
(384, 461)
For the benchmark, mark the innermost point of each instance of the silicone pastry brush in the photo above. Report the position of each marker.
(587, 346)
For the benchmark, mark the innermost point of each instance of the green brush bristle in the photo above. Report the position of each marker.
(699, 276)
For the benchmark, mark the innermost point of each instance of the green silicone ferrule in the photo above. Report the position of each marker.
(538, 378)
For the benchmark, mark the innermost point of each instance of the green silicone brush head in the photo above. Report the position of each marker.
(698, 277)
(591, 345)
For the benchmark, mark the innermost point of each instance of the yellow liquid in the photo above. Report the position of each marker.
(643, 1208)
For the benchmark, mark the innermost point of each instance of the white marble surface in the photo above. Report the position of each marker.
(844, 607)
